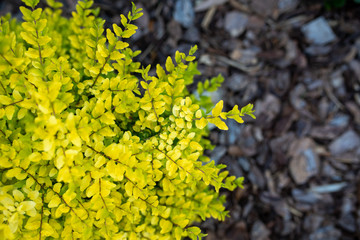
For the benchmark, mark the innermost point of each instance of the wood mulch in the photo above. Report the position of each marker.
(300, 65)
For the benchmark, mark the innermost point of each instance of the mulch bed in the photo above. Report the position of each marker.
(300, 65)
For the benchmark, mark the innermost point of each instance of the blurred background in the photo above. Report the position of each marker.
(298, 62)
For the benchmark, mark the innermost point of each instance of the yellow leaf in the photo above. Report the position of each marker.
(74, 138)
(110, 36)
(128, 33)
(218, 108)
(100, 161)
(59, 161)
(21, 113)
(64, 175)
(54, 202)
(43, 40)
(223, 115)
(19, 196)
(121, 45)
(172, 168)
(9, 111)
(27, 206)
(106, 187)
(60, 210)
(198, 114)
(165, 226)
(41, 24)
(93, 189)
(5, 100)
(195, 146)
(85, 182)
(57, 187)
(176, 155)
(108, 118)
(37, 12)
(180, 122)
(28, 37)
(220, 124)
(35, 157)
(99, 109)
(169, 64)
(14, 222)
(68, 196)
(178, 233)
(116, 55)
(47, 230)
(47, 52)
(238, 118)
(32, 53)
(33, 223)
(129, 189)
(117, 30)
(201, 123)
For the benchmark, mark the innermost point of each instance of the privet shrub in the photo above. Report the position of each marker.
(91, 145)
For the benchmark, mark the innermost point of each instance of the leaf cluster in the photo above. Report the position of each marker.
(92, 146)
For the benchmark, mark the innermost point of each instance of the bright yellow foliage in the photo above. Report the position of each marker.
(86, 152)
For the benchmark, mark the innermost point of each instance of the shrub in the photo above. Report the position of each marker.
(91, 145)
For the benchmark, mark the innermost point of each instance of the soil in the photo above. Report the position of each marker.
(299, 63)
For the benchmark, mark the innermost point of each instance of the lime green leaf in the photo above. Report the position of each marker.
(193, 50)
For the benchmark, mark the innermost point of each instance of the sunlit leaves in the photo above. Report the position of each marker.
(201, 123)
(218, 108)
(166, 226)
(54, 202)
(31, 3)
(91, 150)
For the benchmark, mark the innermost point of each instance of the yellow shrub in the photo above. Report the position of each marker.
(91, 145)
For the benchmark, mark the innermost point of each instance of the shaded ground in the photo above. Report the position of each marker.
(300, 65)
